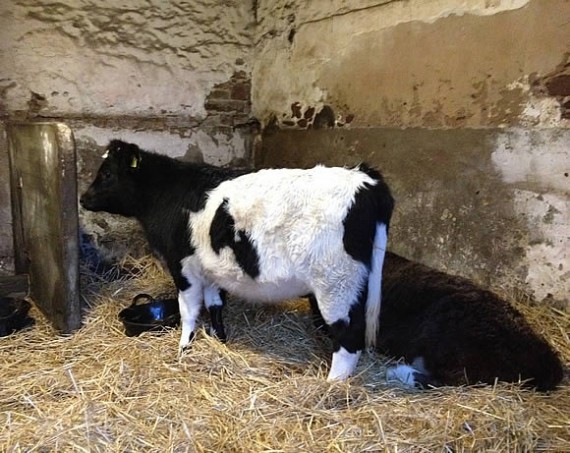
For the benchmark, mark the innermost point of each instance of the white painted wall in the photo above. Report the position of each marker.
(133, 57)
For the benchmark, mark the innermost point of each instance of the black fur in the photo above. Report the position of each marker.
(318, 320)
(157, 190)
(464, 333)
(223, 234)
(372, 205)
(217, 325)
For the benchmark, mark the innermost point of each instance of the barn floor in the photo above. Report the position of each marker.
(98, 390)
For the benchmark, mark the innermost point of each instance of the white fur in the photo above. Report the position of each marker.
(402, 373)
(190, 300)
(343, 365)
(373, 303)
(212, 297)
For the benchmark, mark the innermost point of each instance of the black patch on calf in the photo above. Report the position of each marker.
(216, 318)
(217, 325)
(169, 236)
(372, 205)
(423, 380)
(223, 234)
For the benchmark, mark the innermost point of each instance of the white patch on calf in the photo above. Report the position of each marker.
(212, 297)
(343, 365)
(402, 373)
(190, 303)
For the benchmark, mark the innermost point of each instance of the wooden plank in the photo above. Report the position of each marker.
(14, 285)
(44, 210)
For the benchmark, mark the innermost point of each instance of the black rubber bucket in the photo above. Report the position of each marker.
(149, 314)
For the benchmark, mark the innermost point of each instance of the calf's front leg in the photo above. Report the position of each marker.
(190, 303)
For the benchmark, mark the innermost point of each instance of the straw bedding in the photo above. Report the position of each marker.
(98, 390)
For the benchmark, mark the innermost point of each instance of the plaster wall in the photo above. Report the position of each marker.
(173, 77)
(464, 105)
(120, 58)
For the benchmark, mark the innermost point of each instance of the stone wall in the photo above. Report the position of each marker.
(464, 105)
(173, 77)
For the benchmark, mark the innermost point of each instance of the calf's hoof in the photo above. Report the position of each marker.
(186, 345)
(219, 334)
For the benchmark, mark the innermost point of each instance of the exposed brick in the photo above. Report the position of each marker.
(309, 113)
(559, 85)
(219, 94)
(566, 108)
(232, 119)
(241, 91)
(296, 110)
(324, 119)
(223, 86)
(215, 105)
(240, 75)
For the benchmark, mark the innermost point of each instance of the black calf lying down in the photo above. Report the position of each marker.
(452, 332)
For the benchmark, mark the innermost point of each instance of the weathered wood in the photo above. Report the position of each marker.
(44, 212)
(14, 285)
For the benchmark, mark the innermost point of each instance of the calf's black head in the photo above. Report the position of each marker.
(115, 188)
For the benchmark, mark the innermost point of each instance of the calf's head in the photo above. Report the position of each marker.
(114, 189)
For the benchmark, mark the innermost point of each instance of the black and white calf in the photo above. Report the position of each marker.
(265, 236)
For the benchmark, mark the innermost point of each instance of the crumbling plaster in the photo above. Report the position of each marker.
(485, 194)
(142, 70)
(108, 66)
(412, 63)
(120, 58)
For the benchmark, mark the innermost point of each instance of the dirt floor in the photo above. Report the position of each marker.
(265, 390)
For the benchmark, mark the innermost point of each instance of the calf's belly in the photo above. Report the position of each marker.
(255, 291)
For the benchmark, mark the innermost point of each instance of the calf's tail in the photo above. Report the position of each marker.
(374, 298)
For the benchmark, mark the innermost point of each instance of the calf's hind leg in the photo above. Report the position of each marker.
(347, 332)
(316, 315)
(215, 300)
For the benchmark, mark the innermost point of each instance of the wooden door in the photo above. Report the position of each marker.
(44, 211)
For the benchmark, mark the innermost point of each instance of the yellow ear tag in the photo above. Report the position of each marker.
(134, 162)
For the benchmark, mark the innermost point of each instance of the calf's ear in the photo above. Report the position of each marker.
(133, 157)
(134, 161)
